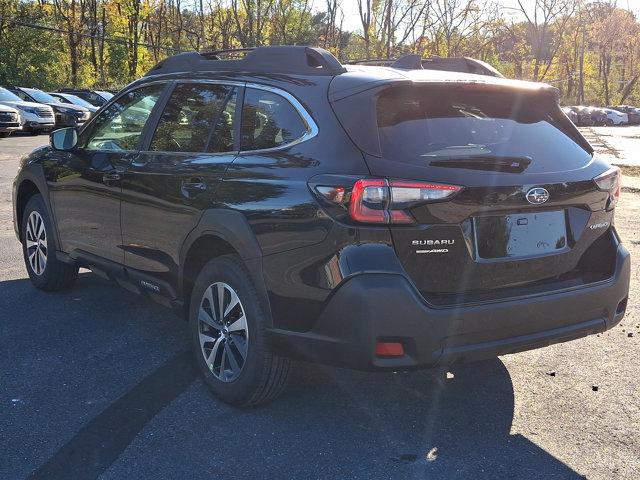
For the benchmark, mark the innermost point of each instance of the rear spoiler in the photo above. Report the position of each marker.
(354, 82)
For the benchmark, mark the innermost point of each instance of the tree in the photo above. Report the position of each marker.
(542, 17)
(72, 15)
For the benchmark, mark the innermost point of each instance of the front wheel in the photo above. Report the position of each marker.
(227, 328)
(39, 250)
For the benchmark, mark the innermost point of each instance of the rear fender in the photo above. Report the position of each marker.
(232, 227)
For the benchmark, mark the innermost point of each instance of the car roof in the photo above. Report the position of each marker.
(302, 67)
(285, 62)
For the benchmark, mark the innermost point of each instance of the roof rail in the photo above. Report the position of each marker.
(227, 52)
(290, 59)
(415, 62)
(406, 62)
(378, 62)
(409, 62)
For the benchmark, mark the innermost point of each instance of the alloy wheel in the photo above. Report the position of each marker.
(223, 332)
(36, 239)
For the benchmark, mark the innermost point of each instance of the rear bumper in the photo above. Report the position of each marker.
(373, 307)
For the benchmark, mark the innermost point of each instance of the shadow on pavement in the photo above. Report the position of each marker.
(330, 423)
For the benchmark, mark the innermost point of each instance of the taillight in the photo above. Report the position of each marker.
(610, 181)
(386, 201)
(369, 201)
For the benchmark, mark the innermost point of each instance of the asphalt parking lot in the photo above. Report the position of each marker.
(96, 382)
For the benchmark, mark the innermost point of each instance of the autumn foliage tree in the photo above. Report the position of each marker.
(589, 49)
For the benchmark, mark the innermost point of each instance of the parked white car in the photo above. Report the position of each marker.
(615, 117)
(9, 121)
(34, 117)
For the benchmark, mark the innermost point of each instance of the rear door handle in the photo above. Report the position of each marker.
(194, 185)
(111, 178)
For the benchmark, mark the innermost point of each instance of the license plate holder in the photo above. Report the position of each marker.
(520, 235)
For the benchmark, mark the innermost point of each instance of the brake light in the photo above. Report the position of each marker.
(369, 201)
(610, 181)
(386, 201)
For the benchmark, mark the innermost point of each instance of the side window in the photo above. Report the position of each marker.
(268, 121)
(22, 95)
(119, 127)
(198, 118)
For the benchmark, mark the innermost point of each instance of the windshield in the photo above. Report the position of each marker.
(105, 95)
(78, 101)
(40, 96)
(419, 124)
(7, 96)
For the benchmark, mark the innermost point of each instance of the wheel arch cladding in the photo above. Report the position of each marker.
(201, 251)
(222, 232)
(26, 190)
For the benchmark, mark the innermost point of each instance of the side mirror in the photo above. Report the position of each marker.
(64, 139)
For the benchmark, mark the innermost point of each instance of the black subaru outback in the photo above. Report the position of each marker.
(377, 218)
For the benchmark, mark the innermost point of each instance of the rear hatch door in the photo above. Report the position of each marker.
(529, 209)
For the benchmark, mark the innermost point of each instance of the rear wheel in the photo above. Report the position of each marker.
(227, 328)
(4, 134)
(39, 250)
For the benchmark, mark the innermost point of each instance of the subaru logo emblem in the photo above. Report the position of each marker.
(537, 195)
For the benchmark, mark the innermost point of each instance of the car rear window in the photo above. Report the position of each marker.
(420, 124)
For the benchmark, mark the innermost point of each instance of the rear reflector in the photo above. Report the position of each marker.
(389, 349)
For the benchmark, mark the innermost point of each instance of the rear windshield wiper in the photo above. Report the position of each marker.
(485, 162)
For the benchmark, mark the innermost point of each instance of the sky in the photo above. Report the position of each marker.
(352, 18)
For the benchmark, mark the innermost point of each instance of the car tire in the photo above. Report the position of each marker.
(261, 374)
(39, 249)
(609, 123)
(4, 134)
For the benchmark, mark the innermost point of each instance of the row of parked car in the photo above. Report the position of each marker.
(33, 111)
(589, 116)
